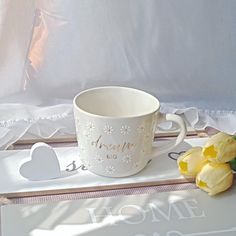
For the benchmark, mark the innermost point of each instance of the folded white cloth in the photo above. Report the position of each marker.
(44, 122)
(222, 120)
(56, 120)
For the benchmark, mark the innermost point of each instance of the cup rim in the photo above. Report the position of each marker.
(111, 117)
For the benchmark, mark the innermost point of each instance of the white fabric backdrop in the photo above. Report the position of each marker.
(16, 18)
(183, 52)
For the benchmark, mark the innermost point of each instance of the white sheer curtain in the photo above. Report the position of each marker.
(182, 51)
(16, 25)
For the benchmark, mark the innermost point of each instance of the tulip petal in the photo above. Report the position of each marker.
(215, 178)
(210, 152)
(202, 184)
(220, 148)
(183, 166)
(191, 162)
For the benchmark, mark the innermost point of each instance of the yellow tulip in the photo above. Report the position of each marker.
(191, 162)
(220, 148)
(215, 178)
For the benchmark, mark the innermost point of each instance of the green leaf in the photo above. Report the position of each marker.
(233, 164)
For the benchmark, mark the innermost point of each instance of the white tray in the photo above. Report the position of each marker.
(161, 170)
(178, 213)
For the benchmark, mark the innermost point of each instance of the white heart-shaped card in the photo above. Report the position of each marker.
(44, 164)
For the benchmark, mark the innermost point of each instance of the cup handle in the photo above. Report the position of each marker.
(183, 131)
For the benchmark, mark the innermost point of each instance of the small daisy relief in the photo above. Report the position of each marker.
(141, 129)
(90, 126)
(127, 158)
(143, 151)
(86, 134)
(136, 165)
(110, 169)
(125, 130)
(99, 159)
(108, 129)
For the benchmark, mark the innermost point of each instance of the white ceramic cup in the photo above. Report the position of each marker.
(115, 129)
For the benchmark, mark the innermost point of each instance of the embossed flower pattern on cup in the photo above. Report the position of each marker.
(127, 158)
(110, 169)
(108, 129)
(87, 134)
(136, 165)
(141, 129)
(125, 130)
(90, 126)
(99, 159)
